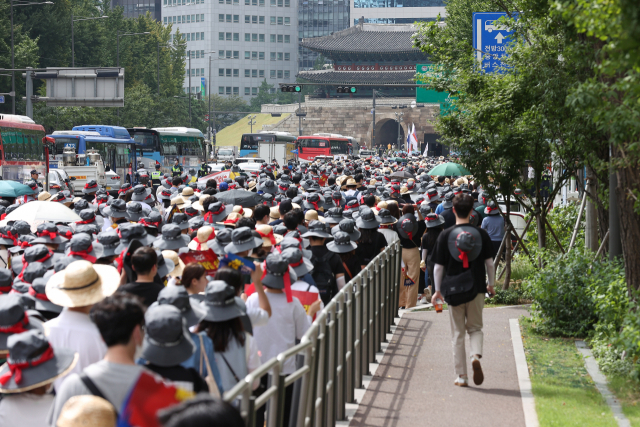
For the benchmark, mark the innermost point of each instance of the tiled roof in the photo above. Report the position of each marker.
(356, 39)
(358, 77)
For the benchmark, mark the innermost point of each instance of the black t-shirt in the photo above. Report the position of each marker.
(181, 374)
(449, 218)
(415, 242)
(453, 266)
(354, 264)
(367, 252)
(148, 291)
(335, 261)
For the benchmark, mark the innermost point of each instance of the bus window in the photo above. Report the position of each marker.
(313, 143)
(100, 146)
(169, 148)
(145, 142)
(61, 143)
(339, 147)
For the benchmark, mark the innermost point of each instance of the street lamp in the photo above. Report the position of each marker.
(118, 43)
(73, 52)
(252, 121)
(13, 73)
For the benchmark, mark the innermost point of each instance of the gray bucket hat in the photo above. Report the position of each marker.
(88, 216)
(181, 220)
(242, 239)
(367, 219)
(167, 341)
(314, 201)
(277, 267)
(196, 223)
(91, 187)
(219, 211)
(342, 243)
(178, 297)
(434, 220)
(297, 261)
(117, 209)
(43, 364)
(295, 242)
(348, 226)
(23, 243)
(81, 205)
(36, 253)
(12, 315)
(81, 246)
(448, 200)
(140, 193)
(465, 244)
(492, 209)
(219, 302)
(333, 215)
(222, 239)
(171, 238)
(48, 233)
(135, 211)
(407, 224)
(385, 217)
(317, 229)
(110, 240)
(268, 186)
(132, 231)
(6, 278)
(38, 294)
(165, 266)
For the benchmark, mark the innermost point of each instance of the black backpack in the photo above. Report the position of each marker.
(324, 277)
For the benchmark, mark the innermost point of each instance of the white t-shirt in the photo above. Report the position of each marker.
(25, 409)
(300, 285)
(288, 322)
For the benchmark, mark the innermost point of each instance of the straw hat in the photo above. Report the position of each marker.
(231, 220)
(268, 237)
(82, 283)
(312, 215)
(200, 242)
(179, 201)
(179, 265)
(245, 212)
(274, 213)
(87, 410)
(44, 196)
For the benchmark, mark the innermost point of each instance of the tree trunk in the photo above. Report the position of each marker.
(507, 254)
(628, 180)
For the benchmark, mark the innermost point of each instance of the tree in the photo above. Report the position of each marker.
(264, 96)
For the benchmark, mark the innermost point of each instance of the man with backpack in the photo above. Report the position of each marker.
(328, 271)
(463, 259)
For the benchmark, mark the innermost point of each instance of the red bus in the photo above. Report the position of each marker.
(21, 148)
(310, 147)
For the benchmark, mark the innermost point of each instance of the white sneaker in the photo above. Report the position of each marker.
(461, 382)
(478, 376)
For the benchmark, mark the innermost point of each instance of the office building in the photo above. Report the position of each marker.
(317, 18)
(248, 41)
(396, 11)
(135, 8)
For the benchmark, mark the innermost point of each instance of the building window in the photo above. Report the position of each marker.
(236, 19)
(228, 72)
(272, 38)
(247, 2)
(247, 73)
(254, 91)
(261, 2)
(254, 37)
(236, 91)
(197, 54)
(197, 36)
(228, 18)
(247, 37)
(202, 35)
(247, 54)
(202, 17)
(262, 19)
(261, 38)
(220, 72)
(197, 72)
(287, 56)
(273, 20)
(236, 1)
(280, 38)
(254, 73)
(188, 19)
(228, 90)
(221, 54)
(221, 17)
(272, 56)
(254, 55)
(247, 91)
(202, 51)
(287, 21)
(261, 56)
(228, 54)
(220, 90)
(287, 3)
(280, 3)
(279, 20)
(287, 74)
(273, 2)
(202, 71)
(188, 37)
(228, 37)
(279, 56)
(279, 74)
(272, 74)
(247, 19)
(254, 19)
(236, 37)
(236, 72)
(287, 39)
(236, 54)
(261, 74)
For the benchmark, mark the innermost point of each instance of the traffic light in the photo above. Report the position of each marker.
(347, 89)
(291, 88)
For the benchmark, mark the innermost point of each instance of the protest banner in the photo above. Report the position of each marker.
(208, 259)
(217, 176)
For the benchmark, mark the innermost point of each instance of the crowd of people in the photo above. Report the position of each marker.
(102, 320)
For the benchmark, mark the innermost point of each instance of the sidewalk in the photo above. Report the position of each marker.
(413, 385)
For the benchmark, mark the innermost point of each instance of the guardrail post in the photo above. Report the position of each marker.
(350, 375)
(278, 407)
(341, 362)
(359, 332)
(330, 385)
(384, 297)
(378, 304)
(371, 313)
(251, 415)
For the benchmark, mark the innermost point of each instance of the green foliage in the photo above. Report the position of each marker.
(572, 294)
(264, 96)
(563, 220)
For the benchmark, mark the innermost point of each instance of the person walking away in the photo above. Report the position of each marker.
(435, 225)
(410, 231)
(462, 260)
(144, 263)
(328, 271)
(493, 224)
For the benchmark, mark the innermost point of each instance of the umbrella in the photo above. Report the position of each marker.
(14, 189)
(449, 169)
(401, 175)
(43, 211)
(244, 198)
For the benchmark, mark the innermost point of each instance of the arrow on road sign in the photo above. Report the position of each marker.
(500, 37)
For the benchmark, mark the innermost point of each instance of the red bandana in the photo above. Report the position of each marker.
(33, 293)
(465, 259)
(87, 186)
(492, 209)
(25, 264)
(269, 236)
(17, 367)
(84, 254)
(19, 327)
(287, 281)
(199, 247)
(231, 221)
(88, 221)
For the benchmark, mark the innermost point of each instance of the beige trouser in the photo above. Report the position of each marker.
(466, 317)
(409, 294)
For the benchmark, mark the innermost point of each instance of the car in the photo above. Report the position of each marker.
(367, 153)
(113, 180)
(252, 169)
(241, 160)
(60, 181)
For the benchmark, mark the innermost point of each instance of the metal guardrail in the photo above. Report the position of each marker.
(333, 355)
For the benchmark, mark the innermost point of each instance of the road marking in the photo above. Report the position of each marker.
(601, 384)
(528, 403)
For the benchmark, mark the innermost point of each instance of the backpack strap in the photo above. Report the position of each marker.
(93, 388)
(348, 271)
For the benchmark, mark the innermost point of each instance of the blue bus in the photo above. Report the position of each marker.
(116, 148)
(250, 141)
(164, 145)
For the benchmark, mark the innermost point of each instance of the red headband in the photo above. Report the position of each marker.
(87, 221)
(286, 277)
(17, 367)
(211, 237)
(84, 254)
(19, 327)
(33, 293)
(231, 221)
(25, 264)
(269, 236)
(87, 186)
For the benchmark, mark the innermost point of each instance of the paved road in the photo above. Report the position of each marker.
(413, 385)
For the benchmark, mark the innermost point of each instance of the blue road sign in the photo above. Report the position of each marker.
(490, 39)
(1, 99)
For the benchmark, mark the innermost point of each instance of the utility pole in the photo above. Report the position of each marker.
(158, 69)
(189, 91)
(13, 73)
(373, 111)
(210, 118)
(299, 111)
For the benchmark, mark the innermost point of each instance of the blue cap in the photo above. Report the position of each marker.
(223, 186)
